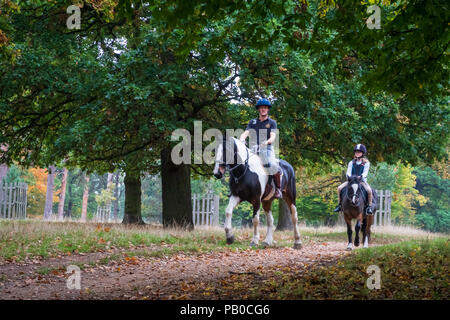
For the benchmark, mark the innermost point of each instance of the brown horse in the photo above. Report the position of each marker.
(353, 205)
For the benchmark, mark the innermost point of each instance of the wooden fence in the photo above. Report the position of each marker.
(383, 215)
(103, 214)
(13, 200)
(205, 209)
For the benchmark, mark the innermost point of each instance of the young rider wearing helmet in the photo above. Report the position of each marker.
(359, 166)
(265, 127)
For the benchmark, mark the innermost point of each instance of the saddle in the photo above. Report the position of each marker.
(364, 196)
(270, 188)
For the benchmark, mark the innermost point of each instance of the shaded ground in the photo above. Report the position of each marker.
(118, 274)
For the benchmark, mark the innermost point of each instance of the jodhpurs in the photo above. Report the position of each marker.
(269, 161)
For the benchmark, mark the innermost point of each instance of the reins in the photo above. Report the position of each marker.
(231, 169)
(358, 197)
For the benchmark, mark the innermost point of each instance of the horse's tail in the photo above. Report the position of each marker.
(290, 178)
(293, 186)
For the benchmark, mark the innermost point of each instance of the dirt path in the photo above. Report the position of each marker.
(180, 276)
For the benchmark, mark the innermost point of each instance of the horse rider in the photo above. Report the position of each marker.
(359, 166)
(265, 130)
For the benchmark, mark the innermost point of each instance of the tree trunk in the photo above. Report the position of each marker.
(49, 196)
(116, 195)
(62, 195)
(132, 214)
(284, 217)
(108, 185)
(3, 171)
(176, 193)
(85, 199)
(3, 167)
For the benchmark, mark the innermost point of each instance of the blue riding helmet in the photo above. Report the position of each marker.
(263, 102)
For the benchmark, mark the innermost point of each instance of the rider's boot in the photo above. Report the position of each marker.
(338, 208)
(277, 180)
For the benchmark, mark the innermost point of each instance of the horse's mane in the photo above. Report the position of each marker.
(242, 144)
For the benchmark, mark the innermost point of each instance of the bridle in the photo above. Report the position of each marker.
(357, 196)
(231, 169)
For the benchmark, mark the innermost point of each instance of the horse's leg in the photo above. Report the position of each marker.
(269, 236)
(255, 221)
(348, 221)
(364, 228)
(297, 241)
(357, 229)
(294, 218)
(232, 203)
(367, 236)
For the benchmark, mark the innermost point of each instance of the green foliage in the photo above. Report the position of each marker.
(404, 196)
(18, 174)
(151, 198)
(314, 211)
(106, 196)
(434, 215)
(382, 176)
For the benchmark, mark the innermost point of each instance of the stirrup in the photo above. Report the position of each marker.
(367, 211)
(338, 208)
(280, 193)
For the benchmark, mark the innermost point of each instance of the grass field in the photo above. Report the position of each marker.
(26, 239)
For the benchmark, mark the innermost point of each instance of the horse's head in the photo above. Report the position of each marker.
(230, 154)
(225, 155)
(354, 192)
(219, 167)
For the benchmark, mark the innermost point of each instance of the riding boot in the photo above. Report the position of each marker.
(338, 208)
(277, 180)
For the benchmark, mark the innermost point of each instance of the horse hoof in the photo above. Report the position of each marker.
(349, 249)
(356, 244)
(230, 240)
(266, 244)
(297, 246)
(253, 244)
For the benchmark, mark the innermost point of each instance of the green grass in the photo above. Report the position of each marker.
(416, 269)
(26, 239)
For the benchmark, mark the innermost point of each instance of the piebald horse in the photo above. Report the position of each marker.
(353, 203)
(248, 180)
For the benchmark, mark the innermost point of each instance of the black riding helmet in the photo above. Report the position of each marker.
(360, 147)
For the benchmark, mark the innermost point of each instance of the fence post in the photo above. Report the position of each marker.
(1, 198)
(389, 207)
(216, 210)
(194, 208)
(14, 203)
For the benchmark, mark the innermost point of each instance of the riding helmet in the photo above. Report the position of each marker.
(360, 147)
(263, 102)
